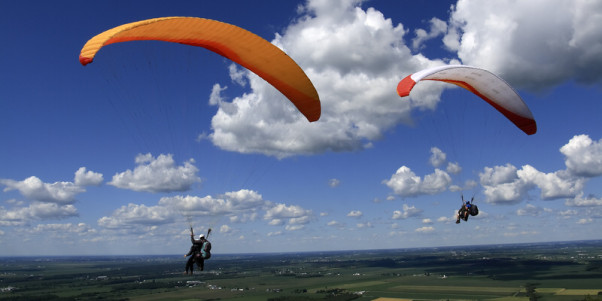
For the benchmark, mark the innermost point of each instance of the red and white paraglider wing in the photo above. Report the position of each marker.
(483, 83)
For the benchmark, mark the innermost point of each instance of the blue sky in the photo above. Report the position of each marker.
(123, 155)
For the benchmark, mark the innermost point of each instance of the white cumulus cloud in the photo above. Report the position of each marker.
(235, 202)
(134, 215)
(530, 210)
(408, 211)
(583, 156)
(85, 177)
(584, 201)
(157, 175)
(406, 183)
(334, 182)
(533, 44)
(36, 211)
(34, 189)
(297, 216)
(354, 213)
(426, 229)
(438, 157)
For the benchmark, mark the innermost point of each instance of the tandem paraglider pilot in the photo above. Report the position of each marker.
(194, 249)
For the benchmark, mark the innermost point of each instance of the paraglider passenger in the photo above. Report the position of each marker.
(464, 210)
(204, 247)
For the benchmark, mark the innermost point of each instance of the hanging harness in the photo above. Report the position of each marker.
(472, 209)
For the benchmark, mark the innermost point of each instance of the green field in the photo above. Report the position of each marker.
(561, 271)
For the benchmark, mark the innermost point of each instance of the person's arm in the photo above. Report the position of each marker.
(191, 236)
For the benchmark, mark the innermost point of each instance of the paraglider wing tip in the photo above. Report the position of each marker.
(314, 117)
(85, 60)
(532, 129)
(405, 86)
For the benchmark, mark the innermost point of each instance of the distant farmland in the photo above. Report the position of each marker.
(548, 271)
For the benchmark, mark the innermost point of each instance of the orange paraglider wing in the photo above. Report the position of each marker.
(484, 84)
(237, 44)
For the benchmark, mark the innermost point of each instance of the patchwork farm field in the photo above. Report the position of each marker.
(547, 271)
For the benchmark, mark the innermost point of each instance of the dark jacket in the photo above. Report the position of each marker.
(194, 249)
(194, 241)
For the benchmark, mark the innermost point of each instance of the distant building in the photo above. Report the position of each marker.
(194, 283)
(214, 287)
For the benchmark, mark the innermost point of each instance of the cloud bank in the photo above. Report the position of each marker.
(355, 57)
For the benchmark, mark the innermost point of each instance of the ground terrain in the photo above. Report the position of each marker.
(543, 271)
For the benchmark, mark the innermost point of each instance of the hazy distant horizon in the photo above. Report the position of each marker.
(218, 255)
